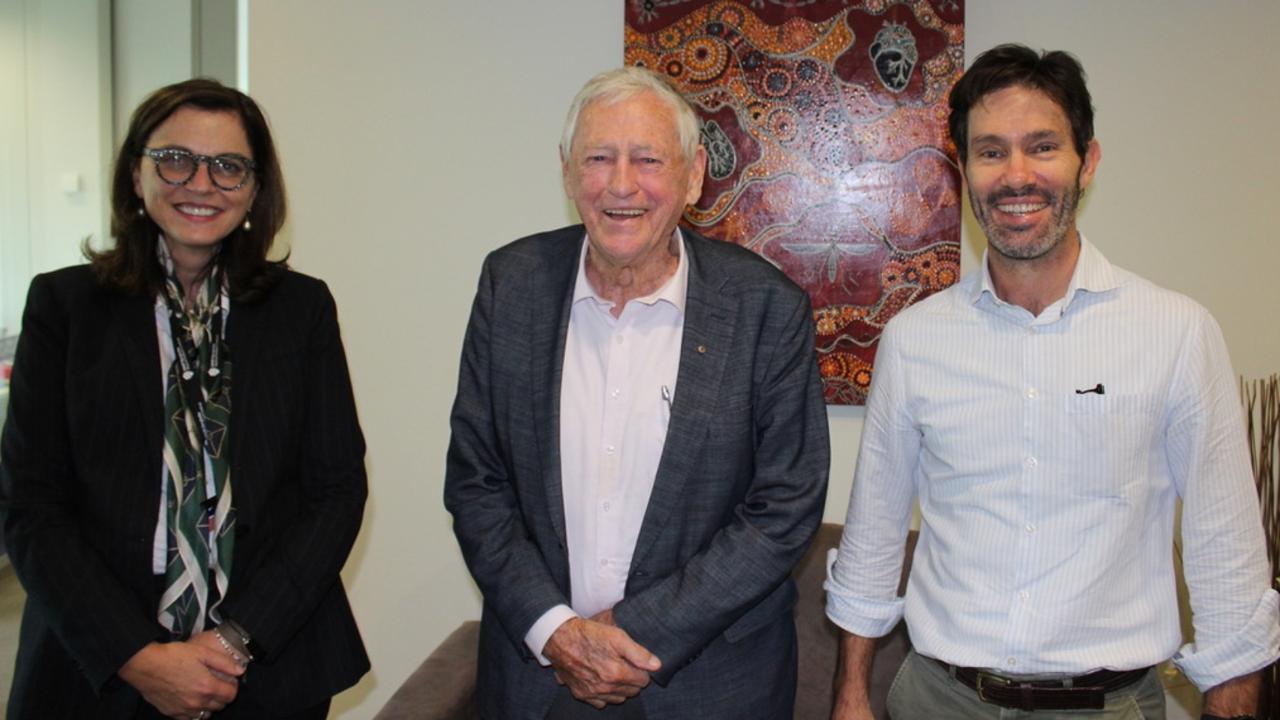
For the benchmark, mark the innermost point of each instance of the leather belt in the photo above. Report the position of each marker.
(1083, 692)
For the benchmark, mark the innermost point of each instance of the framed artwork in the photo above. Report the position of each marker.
(828, 154)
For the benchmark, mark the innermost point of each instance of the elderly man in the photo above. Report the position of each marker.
(639, 451)
(1048, 412)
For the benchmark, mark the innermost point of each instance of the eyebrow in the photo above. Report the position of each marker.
(611, 143)
(1031, 137)
(184, 148)
(1042, 135)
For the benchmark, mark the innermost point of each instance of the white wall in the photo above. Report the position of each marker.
(417, 136)
(56, 125)
(15, 251)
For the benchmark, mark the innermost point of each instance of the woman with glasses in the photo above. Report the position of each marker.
(182, 468)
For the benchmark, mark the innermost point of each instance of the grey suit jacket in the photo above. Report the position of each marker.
(738, 495)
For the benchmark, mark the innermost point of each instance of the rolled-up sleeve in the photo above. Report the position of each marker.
(1235, 611)
(863, 575)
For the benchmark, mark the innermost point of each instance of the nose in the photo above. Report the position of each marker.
(622, 180)
(1017, 171)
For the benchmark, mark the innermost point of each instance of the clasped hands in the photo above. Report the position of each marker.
(191, 679)
(598, 661)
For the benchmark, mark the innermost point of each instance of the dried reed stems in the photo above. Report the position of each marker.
(1261, 399)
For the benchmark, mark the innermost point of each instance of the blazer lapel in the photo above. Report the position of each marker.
(551, 301)
(135, 319)
(244, 332)
(704, 351)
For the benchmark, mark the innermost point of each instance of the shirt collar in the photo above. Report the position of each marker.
(673, 291)
(1093, 273)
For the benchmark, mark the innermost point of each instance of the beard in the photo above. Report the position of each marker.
(1035, 242)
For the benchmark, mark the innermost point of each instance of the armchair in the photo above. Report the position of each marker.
(441, 688)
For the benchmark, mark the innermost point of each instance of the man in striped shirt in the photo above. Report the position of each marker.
(1048, 412)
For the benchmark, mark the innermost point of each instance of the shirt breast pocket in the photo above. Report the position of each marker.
(1092, 403)
(1109, 439)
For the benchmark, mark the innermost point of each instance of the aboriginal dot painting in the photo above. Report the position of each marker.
(825, 128)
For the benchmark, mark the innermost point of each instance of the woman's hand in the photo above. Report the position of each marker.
(184, 679)
(209, 639)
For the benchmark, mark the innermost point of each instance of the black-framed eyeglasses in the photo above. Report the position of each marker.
(176, 166)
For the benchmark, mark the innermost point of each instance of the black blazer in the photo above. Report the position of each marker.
(738, 494)
(80, 493)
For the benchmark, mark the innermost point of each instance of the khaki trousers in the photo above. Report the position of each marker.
(924, 690)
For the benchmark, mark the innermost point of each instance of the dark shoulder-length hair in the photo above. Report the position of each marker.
(130, 265)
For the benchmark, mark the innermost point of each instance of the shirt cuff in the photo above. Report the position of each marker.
(1251, 648)
(542, 630)
(859, 615)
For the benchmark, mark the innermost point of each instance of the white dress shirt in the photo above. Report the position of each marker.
(1047, 454)
(618, 382)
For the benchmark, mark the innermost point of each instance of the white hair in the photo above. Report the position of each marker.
(626, 82)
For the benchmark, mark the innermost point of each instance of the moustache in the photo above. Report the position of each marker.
(1028, 191)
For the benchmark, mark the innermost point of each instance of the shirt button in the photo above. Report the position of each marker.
(1031, 330)
(1031, 462)
(1032, 393)
(609, 449)
(1011, 662)
(1031, 527)
(605, 506)
(1024, 596)
(616, 392)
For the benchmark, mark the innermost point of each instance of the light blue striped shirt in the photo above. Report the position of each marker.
(1047, 454)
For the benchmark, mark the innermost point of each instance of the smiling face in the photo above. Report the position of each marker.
(195, 217)
(1024, 175)
(629, 179)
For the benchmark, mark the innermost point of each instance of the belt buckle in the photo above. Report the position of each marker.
(994, 679)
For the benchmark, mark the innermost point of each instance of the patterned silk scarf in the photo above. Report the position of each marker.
(197, 404)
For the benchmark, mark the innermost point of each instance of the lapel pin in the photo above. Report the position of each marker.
(702, 349)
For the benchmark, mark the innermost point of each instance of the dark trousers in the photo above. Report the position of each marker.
(567, 708)
(245, 709)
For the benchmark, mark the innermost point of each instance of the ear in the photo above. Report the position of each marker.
(1092, 156)
(697, 169)
(137, 179)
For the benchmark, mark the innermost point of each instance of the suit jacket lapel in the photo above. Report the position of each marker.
(244, 331)
(552, 299)
(134, 318)
(704, 350)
